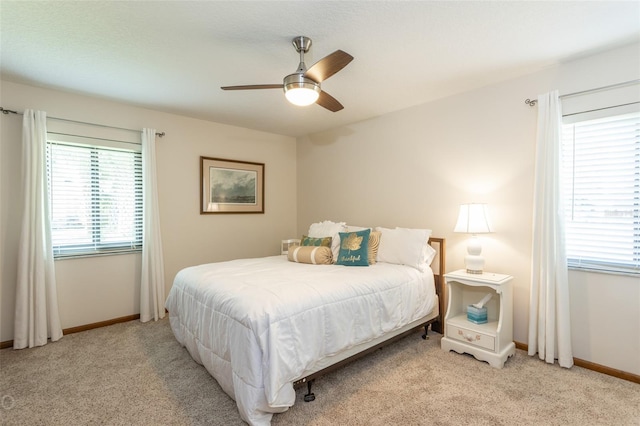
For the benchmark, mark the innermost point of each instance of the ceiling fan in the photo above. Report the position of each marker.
(303, 86)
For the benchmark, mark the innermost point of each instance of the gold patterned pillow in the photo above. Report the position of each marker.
(374, 243)
(317, 255)
(315, 241)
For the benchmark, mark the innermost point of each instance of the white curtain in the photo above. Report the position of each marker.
(152, 296)
(549, 315)
(36, 314)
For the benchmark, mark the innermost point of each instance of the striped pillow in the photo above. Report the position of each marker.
(317, 255)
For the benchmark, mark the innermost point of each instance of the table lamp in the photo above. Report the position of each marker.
(473, 219)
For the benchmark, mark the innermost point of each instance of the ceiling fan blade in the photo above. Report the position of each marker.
(253, 86)
(327, 101)
(328, 66)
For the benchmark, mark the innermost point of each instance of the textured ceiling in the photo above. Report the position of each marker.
(174, 55)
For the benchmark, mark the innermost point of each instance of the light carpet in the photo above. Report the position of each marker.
(137, 374)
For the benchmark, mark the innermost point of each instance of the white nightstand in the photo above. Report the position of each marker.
(491, 341)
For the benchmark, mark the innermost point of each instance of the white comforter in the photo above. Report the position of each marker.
(259, 324)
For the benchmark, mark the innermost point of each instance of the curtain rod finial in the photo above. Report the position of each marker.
(530, 102)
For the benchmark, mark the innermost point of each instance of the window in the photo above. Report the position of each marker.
(96, 199)
(601, 188)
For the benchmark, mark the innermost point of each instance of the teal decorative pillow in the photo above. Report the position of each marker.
(354, 248)
(316, 242)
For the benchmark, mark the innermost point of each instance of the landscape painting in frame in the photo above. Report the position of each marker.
(231, 186)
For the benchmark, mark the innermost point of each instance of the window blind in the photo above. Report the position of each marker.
(96, 199)
(601, 188)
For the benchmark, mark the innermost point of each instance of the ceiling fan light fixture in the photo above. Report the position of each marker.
(301, 91)
(302, 96)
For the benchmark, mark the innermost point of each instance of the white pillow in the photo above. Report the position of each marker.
(429, 252)
(329, 229)
(352, 228)
(404, 246)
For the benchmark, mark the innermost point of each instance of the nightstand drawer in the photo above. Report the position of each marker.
(471, 337)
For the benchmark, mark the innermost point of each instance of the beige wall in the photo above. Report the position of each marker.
(102, 288)
(413, 168)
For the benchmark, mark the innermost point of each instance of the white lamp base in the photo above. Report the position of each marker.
(473, 261)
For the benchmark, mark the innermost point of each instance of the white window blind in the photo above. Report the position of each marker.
(601, 187)
(96, 198)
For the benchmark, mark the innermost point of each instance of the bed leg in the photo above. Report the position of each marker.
(310, 396)
(426, 328)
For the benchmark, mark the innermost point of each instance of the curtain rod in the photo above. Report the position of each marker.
(533, 102)
(8, 111)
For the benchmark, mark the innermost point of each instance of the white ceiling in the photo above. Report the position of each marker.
(174, 55)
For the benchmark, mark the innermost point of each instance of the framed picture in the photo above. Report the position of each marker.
(230, 186)
(286, 244)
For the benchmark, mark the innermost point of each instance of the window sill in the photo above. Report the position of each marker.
(98, 254)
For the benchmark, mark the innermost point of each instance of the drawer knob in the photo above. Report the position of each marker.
(469, 337)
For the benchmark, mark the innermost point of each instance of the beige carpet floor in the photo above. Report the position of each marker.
(137, 374)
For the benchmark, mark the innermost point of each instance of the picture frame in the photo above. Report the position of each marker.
(231, 186)
(287, 244)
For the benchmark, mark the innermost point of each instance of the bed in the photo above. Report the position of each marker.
(263, 326)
